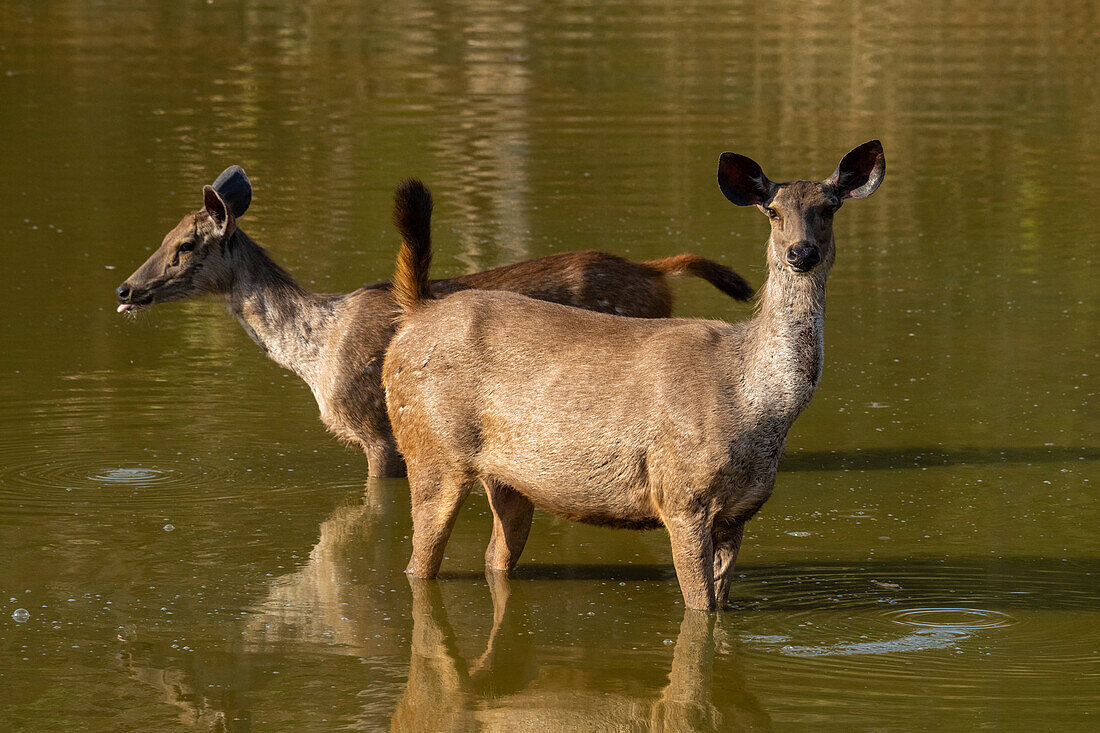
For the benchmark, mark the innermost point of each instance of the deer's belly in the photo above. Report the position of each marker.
(607, 487)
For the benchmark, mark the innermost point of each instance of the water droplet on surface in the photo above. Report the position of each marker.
(168, 528)
(129, 475)
(20, 615)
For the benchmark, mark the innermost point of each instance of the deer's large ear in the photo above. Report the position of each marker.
(860, 171)
(742, 181)
(235, 190)
(218, 212)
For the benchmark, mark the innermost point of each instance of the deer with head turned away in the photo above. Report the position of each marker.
(336, 342)
(614, 421)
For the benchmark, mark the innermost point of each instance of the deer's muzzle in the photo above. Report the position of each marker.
(803, 256)
(130, 298)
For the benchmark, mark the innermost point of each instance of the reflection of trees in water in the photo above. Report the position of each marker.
(475, 97)
(507, 688)
(482, 154)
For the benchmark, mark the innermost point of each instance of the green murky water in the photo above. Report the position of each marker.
(195, 552)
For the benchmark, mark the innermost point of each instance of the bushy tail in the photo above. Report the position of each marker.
(412, 215)
(720, 276)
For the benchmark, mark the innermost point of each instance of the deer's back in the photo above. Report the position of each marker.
(590, 279)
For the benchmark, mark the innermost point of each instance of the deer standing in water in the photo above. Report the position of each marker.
(336, 342)
(615, 421)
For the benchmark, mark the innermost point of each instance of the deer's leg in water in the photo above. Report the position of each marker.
(383, 459)
(437, 494)
(512, 514)
(727, 543)
(690, 531)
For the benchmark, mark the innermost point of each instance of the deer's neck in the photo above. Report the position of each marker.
(288, 322)
(786, 344)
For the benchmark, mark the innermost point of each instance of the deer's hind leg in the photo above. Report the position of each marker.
(512, 514)
(376, 436)
(437, 495)
(727, 543)
(383, 459)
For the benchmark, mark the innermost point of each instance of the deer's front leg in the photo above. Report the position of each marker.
(693, 555)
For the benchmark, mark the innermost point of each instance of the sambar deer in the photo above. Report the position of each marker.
(336, 342)
(614, 421)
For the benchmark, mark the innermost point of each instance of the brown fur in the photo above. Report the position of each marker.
(336, 342)
(721, 277)
(618, 421)
(412, 215)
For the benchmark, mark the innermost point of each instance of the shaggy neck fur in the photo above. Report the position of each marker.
(287, 321)
(785, 348)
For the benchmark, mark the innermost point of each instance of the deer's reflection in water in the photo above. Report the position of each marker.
(337, 594)
(330, 600)
(508, 688)
(538, 670)
(196, 689)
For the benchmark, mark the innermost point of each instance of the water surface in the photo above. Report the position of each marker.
(191, 550)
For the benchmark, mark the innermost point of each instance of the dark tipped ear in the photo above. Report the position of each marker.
(235, 190)
(217, 210)
(742, 181)
(860, 172)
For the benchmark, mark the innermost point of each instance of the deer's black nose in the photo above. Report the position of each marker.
(803, 256)
(123, 292)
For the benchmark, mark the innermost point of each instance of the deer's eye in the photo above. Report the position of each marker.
(186, 247)
(772, 213)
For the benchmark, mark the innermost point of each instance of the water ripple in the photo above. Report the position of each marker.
(959, 620)
(861, 621)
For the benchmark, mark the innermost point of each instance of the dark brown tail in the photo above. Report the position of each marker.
(720, 276)
(412, 215)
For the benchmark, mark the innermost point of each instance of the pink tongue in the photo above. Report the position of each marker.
(124, 307)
